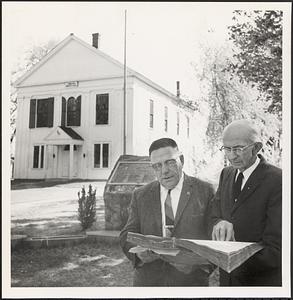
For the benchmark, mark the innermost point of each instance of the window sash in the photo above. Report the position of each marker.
(38, 156)
(166, 119)
(178, 123)
(151, 114)
(102, 109)
(101, 155)
(41, 113)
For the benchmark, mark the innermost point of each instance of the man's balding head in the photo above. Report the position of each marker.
(243, 129)
(241, 134)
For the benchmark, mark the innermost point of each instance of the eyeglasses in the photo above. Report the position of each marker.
(237, 150)
(170, 163)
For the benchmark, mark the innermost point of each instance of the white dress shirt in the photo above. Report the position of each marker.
(246, 173)
(175, 196)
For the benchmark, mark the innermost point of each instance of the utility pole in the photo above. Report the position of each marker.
(124, 92)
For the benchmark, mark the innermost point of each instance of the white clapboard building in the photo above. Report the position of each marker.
(70, 115)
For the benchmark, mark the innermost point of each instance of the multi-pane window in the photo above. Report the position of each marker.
(41, 112)
(187, 126)
(102, 109)
(101, 155)
(71, 111)
(166, 118)
(38, 157)
(151, 113)
(178, 122)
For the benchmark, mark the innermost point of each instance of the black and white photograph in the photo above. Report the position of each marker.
(146, 149)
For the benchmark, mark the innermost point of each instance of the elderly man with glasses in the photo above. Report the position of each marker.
(175, 205)
(248, 207)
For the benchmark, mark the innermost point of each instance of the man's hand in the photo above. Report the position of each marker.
(223, 231)
(147, 256)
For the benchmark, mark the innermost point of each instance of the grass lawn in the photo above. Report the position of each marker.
(85, 265)
(91, 264)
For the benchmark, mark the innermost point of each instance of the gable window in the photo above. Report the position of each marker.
(151, 113)
(101, 155)
(187, 126)
(41, 112)
(71, 111)
(178, 122)
(166, 118)
(102, 109)
(38, 157)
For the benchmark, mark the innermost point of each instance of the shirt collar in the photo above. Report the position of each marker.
(246, 173)
(177, 187)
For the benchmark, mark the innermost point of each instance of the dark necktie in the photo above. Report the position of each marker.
(237, 186)
(169, 215)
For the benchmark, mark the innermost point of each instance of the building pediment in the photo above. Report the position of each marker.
(71, 60)
(63, 136)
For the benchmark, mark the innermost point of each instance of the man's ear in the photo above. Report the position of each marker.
(257, 147)
(182, 159)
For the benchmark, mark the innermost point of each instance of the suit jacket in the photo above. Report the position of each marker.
(256, 217)
(145, 217)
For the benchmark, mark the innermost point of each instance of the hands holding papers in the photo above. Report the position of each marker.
(183, 261)
(144, 254)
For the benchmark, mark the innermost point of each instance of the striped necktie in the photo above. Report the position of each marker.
(169, 215)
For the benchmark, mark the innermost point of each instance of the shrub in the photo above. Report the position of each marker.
(87, 207)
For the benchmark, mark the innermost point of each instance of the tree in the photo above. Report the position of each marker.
(87, 207)
(31, 58)
(224, 98)
(258, 38)
(223, 95)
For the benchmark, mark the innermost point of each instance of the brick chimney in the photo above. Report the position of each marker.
(96, 37)
(178, 89)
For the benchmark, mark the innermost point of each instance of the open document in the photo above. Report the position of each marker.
(226, 255)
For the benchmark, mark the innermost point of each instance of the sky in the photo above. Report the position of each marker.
(162, 38)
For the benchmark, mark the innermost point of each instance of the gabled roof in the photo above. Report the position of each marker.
(62, 135)
(130, 72)
(74, 135)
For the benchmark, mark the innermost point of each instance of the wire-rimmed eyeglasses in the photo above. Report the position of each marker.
(237, 149)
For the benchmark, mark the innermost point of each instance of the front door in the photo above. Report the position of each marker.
(65, 163)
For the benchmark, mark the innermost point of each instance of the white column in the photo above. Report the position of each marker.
(70, 161)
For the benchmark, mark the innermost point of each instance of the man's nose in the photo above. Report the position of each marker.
(232, 154)
(165, 168)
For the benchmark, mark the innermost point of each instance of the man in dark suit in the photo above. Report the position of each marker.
(175, 205)
(248, 207)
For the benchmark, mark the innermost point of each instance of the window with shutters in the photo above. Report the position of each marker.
(41, 113)
(38, 157)
(71, 111)
(166, 118)
(102, 109)
(101, 155)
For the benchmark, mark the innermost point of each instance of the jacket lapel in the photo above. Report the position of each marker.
(155, 204)
(184, 198)
(251, 185)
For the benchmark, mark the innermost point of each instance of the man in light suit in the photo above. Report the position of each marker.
(175, 205)
(248, 207)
